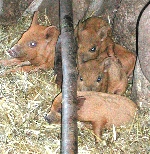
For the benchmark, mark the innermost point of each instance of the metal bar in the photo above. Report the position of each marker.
(69, 87)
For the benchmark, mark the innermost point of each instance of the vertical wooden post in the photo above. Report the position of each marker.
(69, 87)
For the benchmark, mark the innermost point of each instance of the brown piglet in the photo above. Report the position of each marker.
(102, 110)
(94, 36)
(91, 36)
(36, 48)
(103, 75)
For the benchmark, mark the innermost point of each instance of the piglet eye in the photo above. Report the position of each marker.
(81, 79)
(32, 44)
(99, 79)
(93, 49)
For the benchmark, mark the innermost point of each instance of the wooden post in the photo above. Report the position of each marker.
(69, 87)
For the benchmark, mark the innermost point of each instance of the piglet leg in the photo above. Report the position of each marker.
(97, 128)
(10, 62)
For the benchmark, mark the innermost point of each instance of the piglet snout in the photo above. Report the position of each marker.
(53, 117)
(46, 117)
(15, 51)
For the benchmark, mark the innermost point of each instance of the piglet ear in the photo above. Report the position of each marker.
(80, 27)
(104, 32)
(110, 50)
(50, 32)
(107, 64)
(76, 31)
(35, 19)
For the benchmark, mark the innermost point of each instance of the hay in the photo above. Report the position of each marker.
(26, 98)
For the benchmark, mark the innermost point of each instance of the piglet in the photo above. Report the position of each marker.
(36, 48)
(94, 36)
(102, 110)
(103, 75)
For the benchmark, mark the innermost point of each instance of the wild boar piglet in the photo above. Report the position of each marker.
(93, 38)
(36, 46)
(105, 75)
(91, 34)
(101, 109)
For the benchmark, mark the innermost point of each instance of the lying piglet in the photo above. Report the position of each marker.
(93, 37)
(101, 109)
(36, 46)
(105, 76)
